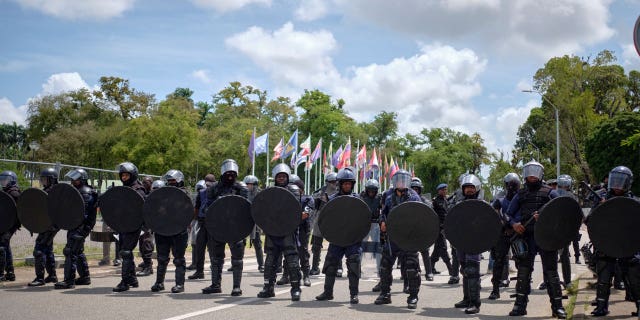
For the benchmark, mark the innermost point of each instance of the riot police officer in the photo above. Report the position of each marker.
(177, 243)
(74, 249)
(441, 206)
(202, 236)
(470, 263)
(193, 227)
(618, 185)
(332, 261)
(128, 174)
(226, 186)
(253, 186)
(286, 244)
(304, 230)
(416, 185)
(145, 242)
(43, 249)
(320, 198)
(9, 184)
(501, 249)
(522, 209)
(401, 193)
(564, 185)
(371, 244)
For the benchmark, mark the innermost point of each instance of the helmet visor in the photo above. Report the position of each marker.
(619, 180)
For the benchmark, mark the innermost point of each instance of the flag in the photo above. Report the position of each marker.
(326, 166)
(336, 157)
(345, 157)
(361, 157)
(261, 144)
(392, 168)
(316, 152)
(306, 147)
(277, 151)
(252, 143)
(330, 154)
(291, 146)
(309, 164)
(373, 163)
(298, 160)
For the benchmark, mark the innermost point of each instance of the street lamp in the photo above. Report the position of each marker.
(34, 147)
(557, 129)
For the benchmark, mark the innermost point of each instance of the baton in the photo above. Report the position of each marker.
(524, 225)
(595, 194)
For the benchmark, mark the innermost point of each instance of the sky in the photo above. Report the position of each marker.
(459, 63)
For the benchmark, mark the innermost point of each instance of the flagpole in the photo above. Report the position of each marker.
(253, 159)
(357, 186)
(267, 173)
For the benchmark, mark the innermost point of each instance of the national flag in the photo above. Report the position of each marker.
(277, 151)
(325, 163)
(252, 142)
(361, 157)
(316, 152)
(393, 168)
(306, 147)
(345, 157)
(291, 146)
(336, 157)
(373, 163)
(261, 144)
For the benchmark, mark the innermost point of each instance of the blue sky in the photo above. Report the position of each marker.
(457, 63)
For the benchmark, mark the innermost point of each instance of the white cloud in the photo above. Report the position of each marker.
(310, 10)
(542, 28)
(630, 57)
(524, 84)
(61, 82)
(79, 10)
(291, 57)
(228, 5)
(202, 75)
(11, 113)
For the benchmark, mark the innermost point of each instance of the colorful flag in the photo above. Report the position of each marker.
(336, 157)
(261, 144)
(316, 152)
(306, 147)
(345, 157)
(373, 163)
(361, 157)
(277, 151)
(393, 168)
(252, 142)
(291, 146)
(326, 167)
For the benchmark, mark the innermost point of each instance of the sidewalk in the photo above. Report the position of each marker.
(618, 307)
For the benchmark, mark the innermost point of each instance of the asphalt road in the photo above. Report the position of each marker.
(97, 301)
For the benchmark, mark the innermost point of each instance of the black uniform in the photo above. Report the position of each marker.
(216, 248)
(6, 256)
(74, 258)
(320, 198)
(44, 259)
(440, 250)
(145, 245)
(128, 242)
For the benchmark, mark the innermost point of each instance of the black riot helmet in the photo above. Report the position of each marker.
(471, 180)
(283, 171)
(294, 179)
(294, 189)
(372, 184)
(174, 175)
(251, 179)
(346, 175)
(620, 178)
(157, 184)
(331, 177)
(511, 182)
(229, 166)
(48, 177)
(78, 175)
(8, 178)
(131, 169)
(416, 185)
(401, 179)
(565, 182)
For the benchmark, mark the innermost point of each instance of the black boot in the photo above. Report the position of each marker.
(181, 269)
(196, 275)
(147, 270)
(495, 292)
(376, 288)
(557, 310)
(295, 290)
(157, 287)
(192, 266)
(237, 266)
(83, 281)
(267, 291)
(327, 294)
(284, 279)
(67, 284)
(160, 274)
(465, 302)
(520, 306)
(383, 298)
(412, 301)
(216, 276)
(51, 278)
(36, 282)
(555, 294)
(602, 300)
(51, 271)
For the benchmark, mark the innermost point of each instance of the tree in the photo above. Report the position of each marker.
(12, 140)
(116, 94)
(604, 149)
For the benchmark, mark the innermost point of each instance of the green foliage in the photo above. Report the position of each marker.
(605, 150)
(13, 141)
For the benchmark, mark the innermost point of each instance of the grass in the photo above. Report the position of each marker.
(573, 295)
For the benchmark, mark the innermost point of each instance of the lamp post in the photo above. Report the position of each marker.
(557, 129)
(34, 147)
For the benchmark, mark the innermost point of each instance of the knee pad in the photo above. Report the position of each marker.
(353, 264)
(126, 254)
(38, 254)
(236, 263)
(179, 262)
(163, 260)
(330, 267)
(67, 251)
(472, 270)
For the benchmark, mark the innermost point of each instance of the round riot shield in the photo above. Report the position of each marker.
(8, 212)
(276, 211)
(229, 219)
(65, 206)
(613, 227)
(167, 211)
(558, 223)
(121, 209)
(412, 226)
(472, 226)
(345, 220)
(32, 210)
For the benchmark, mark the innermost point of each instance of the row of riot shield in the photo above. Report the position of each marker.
(473, 226)
(38, 211)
